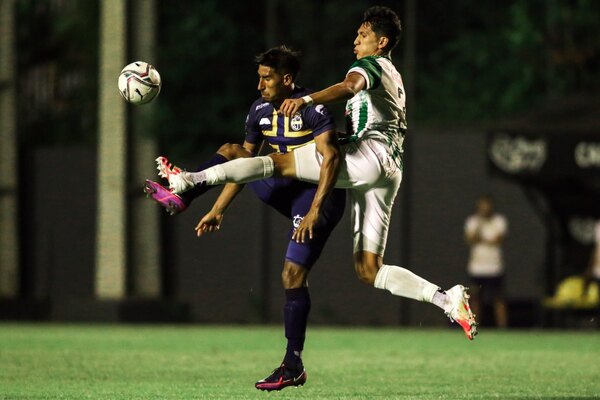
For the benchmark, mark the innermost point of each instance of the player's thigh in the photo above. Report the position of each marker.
(275, 193)
(371, 214)
(307, 253)
(284, 164)
(307, 163)
(365, 164)
(360, 165)
(332, 209)
(307, 166)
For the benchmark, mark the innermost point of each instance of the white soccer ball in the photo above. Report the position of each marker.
(139, 82)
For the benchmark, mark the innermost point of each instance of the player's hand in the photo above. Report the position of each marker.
(306, 228)
(289, 107)
(211, 222)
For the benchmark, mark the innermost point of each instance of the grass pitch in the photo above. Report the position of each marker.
(198, 362)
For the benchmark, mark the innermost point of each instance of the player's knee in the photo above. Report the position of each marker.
(367, 265)
(283, 164)
(232, 151)
(293, 276)
(366, 271)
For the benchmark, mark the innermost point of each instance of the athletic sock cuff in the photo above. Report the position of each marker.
(429, 292)
(268, 165)
(381, 277)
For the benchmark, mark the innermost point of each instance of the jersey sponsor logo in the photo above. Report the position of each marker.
(296, 123)
(263, 105)
(264, 121)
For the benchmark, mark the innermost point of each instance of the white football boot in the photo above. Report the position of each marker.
(458, 310)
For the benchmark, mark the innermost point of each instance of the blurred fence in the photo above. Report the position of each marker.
(86, 233)
(220, 278)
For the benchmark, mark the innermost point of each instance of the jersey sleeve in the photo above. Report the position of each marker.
(319, 119)
(253, 132)
(370, 69)
(502, 225)
(471, 225)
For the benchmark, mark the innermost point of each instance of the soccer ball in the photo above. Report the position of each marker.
(139, 83)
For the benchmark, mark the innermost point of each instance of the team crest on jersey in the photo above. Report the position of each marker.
(297, 221)
(296, 123)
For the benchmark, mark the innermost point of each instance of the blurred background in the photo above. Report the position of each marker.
(502, 99)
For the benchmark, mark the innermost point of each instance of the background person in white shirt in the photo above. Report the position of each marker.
(485, 231)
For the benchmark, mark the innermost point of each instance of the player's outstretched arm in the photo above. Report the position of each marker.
(342, 91)
(327, 145)
(211, 222)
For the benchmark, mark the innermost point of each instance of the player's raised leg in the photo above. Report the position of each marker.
(371, 213)
(241, 170)
(404, 283)
(175, 203)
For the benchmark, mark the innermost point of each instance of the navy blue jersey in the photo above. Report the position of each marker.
(282, 133)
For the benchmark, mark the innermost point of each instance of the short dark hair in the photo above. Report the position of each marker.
(282, 59)
(384, 22)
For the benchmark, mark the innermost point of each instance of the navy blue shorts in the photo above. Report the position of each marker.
(488, 289)
(292, 199)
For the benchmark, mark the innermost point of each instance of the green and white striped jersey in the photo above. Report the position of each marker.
(379, 111)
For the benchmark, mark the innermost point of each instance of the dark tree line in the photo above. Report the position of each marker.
(474, 61)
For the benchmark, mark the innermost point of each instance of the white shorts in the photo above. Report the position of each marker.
(372, 180)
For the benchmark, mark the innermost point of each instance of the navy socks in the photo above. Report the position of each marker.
(295, 317)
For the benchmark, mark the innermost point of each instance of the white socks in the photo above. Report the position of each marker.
(240, 170)
(441, 300)
(402, 282)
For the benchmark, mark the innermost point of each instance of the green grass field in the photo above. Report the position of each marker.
(198, 362)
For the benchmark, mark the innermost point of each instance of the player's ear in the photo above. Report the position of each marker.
(383, 42)
(288, 79)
